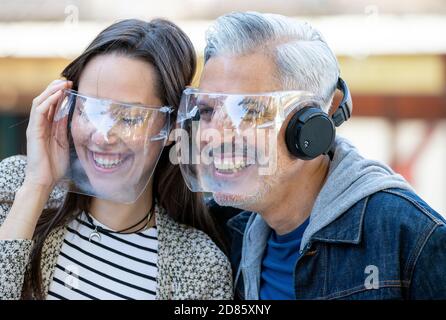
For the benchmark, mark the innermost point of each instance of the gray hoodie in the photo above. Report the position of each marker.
(350, 179)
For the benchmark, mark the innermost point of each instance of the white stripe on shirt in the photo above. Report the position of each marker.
(120, 266)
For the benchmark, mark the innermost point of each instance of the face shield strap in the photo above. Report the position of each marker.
(164, 133)
(193, 115)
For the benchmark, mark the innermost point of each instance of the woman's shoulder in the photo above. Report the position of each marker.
(187, 239)
(12, 175)
(195, 264)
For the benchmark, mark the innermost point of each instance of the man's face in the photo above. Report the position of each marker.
(250, 74)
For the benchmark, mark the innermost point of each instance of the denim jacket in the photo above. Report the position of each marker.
(388, 245)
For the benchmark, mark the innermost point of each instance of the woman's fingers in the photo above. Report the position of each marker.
(59, 148)
(43, 108)
(38, 100)
(39, 117)
(53, 107)
(42, 113)
(52, 88)
(59, 138)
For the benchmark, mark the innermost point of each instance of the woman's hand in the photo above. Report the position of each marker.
(46, 162)
(46, 159)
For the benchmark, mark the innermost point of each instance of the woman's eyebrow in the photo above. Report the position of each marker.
(129, 104)
(136, 103)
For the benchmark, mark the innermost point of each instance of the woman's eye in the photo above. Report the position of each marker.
(81, 113)
(133, 120)
(80, 105)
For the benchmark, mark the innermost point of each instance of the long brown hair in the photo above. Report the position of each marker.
(168, 49)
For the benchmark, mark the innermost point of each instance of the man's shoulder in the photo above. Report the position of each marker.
(402, 207)
(401, 218)
(391, 219)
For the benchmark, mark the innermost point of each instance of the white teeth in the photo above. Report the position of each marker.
(107, 162)
(230, 165)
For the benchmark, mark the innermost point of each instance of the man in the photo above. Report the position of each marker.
(331, 225)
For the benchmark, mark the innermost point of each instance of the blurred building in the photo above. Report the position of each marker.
(392, 54)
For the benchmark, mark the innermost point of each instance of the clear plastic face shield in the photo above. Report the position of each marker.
(228, 142)
(107, 149)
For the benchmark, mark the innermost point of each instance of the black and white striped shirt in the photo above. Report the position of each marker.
(119, 266)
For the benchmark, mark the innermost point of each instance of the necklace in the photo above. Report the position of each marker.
(96, 233)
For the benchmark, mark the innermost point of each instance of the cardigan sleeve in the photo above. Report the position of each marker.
(220, 279)
(15, 253)
(190, 265)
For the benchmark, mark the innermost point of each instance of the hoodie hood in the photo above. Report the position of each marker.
(350, 178)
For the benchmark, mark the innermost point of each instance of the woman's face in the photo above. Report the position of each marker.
(114, 148)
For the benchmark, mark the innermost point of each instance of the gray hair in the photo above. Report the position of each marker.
(302, 57)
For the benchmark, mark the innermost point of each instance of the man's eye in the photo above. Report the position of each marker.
(251, 112)
(205, 112)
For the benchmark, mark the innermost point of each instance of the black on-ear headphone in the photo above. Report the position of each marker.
(311, 132)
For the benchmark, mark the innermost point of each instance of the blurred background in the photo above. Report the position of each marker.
(392, 55)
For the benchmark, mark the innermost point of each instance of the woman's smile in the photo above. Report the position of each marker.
(108, 162)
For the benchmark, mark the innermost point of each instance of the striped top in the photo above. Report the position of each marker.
(119, 266)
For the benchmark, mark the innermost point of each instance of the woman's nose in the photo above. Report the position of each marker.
(104, 138)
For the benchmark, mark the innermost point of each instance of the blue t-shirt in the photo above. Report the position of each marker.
(281, 254)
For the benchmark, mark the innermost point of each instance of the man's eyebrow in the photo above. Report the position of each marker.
(259, 102)
(204, 101)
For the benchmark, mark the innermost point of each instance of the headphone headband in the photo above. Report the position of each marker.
(345, 109)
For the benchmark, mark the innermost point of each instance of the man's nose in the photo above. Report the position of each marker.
(221, 120)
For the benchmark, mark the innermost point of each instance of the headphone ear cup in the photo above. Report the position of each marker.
(309, 133)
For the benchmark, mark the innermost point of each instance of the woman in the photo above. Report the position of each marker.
(122, 232)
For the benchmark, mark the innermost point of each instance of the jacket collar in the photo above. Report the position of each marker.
(238, 222)
(346, 229)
